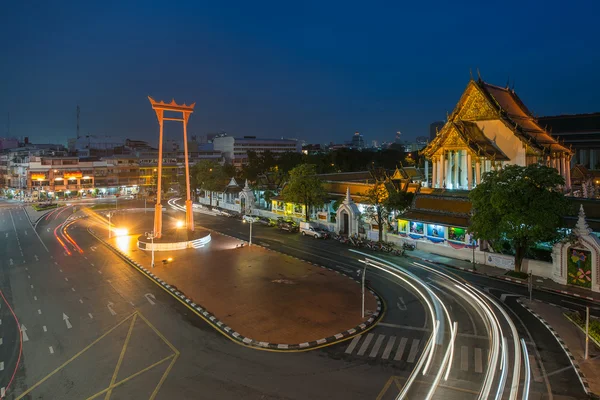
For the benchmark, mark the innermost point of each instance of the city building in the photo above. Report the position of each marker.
(95, 146)
(357, 141)
(580, 132)
(434, 128)
(235, 150)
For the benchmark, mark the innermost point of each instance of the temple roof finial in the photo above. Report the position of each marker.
(348, 199)
(246, 184)
(582, 228)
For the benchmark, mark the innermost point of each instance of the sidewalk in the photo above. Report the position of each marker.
(499, 273)
(573, 342)
(259, 297)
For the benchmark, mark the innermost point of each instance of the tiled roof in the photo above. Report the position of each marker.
(579, 123)
(441, 209)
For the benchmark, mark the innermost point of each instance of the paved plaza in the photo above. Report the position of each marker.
(262, 294)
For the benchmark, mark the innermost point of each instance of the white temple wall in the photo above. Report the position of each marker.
(505, 139)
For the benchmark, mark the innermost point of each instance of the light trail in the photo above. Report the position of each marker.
(527, 371)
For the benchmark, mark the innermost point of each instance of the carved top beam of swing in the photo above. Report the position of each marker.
(172, 106)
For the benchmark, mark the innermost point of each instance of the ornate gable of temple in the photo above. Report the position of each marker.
(482, 102)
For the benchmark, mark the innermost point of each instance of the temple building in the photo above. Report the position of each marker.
(491, 127)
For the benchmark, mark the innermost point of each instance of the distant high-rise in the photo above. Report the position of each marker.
(434, 128)
(357, 141)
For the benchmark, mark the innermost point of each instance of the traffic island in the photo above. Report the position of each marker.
(258, 297)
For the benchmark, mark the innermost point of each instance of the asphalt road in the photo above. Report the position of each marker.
(71, 306)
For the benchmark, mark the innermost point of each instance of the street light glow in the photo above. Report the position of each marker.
(180, 224)
(121, 232)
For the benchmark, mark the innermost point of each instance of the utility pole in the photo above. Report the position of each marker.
(587, 331)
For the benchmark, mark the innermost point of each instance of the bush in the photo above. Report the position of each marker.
(44, 207)
(519, 275)
(579, 321)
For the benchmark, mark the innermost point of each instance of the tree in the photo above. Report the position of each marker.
(304, 187)
(377, 197)
(523, 205)
(209, 175)
(398, 200)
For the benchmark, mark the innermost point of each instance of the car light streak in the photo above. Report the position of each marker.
(503, 369)
(69, 238)
(527, 371)
(61, 242)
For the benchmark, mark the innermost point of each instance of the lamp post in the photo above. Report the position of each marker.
(109, 227)
(151, 237)
(250, 242)
(364, 273)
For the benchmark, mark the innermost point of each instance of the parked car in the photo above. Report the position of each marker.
(311, 229)
(250, 218)
(264, 221)
(288, 226)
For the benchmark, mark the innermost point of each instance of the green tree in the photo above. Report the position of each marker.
(377, 197)
(304, 187)
(522, 205)
(398, 200)
(210, 176)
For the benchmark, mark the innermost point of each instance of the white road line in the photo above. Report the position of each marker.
(31, 286)
(92, 265)
(2, 392)
(55, 263)
(60, 270)
(99, 271)
(66, 319)
(90, 315)
(66, 279)
(388, 347)
(535, 370)
(35, 298)
(51, 349)
(1, 365)
(85, 257)
(414, 348)
(377, 345)
(478, 360)
(28, 276)
(73, 289)
(353, 344)
(1, 341)
(39, 311)
(109, 305)
(44, 328)
(365, 344)
(464, 358)
(36, 258)
(81, 301)
(400, 349)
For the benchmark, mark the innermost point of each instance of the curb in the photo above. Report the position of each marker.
(237, 337)
(582, 379)
(512, 280)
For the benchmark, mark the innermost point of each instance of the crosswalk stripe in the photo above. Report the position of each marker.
(375, 349)
(478, 360)
(414, 347)
(388, 348)
(464, 358)
(535, 370)
(400, 349)
(365, 344)
(353, 344)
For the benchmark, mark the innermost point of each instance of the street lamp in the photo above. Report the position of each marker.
(151, 237)
(249, 222)
(109, 227)
(364, 273)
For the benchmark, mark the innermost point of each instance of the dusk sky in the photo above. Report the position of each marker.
(316, 71)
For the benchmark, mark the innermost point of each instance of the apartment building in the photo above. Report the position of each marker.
(235, 150)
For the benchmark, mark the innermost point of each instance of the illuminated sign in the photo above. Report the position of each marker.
(72, 175)
(38, 177)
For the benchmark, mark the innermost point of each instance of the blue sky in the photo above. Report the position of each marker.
(316, 71)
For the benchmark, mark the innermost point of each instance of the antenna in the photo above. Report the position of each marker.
(77, 121)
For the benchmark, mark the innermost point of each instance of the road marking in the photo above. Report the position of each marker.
(25, 232)
(388, 347)
(535, 370)
(6, 234)
(28, 276)
(1, 341)
(66, 319)
(24, 333)
(31, 286)
(400, 349)
(109, 305)
(401, 304)
(47, 229)
(414, 328)
(81, 301)
(60, 270)
(51, 349)
(99, 271)
(414, 347)
(92, 265)
(2, 392)
(85, 257)
(1, 365)
(365, 344)
(148, 296)
(478, 360)
(90, 315)
(45, 329)
(66, 279)
(36, 258)
(353, 344)
(10, 261)
(35, 298)
(72, 289)
(503, 296)
(378, 343)
(464, 358)
(39, 311)
(55, 263)
(121, 357)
